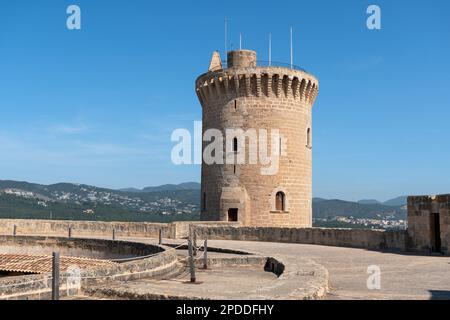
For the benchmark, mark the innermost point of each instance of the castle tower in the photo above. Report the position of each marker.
(249, 96)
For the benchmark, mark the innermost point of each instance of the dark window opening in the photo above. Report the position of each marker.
(234, 169)
(435, 232)
(308, 138)
(204, 201)
(233, 215)
(280, 204)
(235, 145)
(235, 104)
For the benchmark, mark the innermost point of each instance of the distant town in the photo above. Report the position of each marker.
(75, 201)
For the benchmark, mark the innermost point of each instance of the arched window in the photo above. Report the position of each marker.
(235, 145)
(308, 138)
(280, 201)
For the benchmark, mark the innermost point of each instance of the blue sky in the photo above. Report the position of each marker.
(98, 105)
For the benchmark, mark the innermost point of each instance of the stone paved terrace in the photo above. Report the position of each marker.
(404, 276)
(216, 283)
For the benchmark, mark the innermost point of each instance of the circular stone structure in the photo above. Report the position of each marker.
(26, 263)
(98, 249)
(245, 103)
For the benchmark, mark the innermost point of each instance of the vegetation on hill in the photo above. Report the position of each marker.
(166, 203)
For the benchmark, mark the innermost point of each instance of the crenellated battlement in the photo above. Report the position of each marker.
(244, 94)
(258, 82)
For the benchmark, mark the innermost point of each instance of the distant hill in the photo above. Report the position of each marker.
(174, 187)
(167, 187)
(30, 200)
(331, 208)
(161, 203)
(396, 202)
(369, 201)
(399, 201)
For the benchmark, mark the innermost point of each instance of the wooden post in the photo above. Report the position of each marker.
(14, 230)
(191, 261)
(160, 236)
(114, 234)
(194, 237)
(205, 254)
(55, 276)
(70, 232)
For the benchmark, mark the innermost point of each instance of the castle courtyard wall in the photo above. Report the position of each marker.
(354, 238)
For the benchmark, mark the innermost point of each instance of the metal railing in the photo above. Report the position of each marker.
(263, 63)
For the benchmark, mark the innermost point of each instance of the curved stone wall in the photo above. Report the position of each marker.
(252, 99)
(76, 247)
(161, 260)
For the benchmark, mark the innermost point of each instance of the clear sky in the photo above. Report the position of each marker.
(98, 105)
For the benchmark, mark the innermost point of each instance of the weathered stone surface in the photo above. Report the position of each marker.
(246, 96)
(422, 228)
(356, 238)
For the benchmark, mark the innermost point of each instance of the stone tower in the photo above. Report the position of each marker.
(249, 95)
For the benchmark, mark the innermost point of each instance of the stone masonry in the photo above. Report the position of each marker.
(247, 96)
(429, 223)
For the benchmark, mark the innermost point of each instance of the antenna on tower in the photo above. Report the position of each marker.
(292, 52)
(270, 49)
(226, 36)
(240, 41)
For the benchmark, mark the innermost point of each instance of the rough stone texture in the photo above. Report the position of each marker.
(356, 238)
(76, 247)
(403, 276)
(246, 96)
(100, 228)
(421, 229)
(39, 287)
(229, 278)
(141, 229)
(181, 229)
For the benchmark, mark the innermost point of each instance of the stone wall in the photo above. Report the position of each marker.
(422, 225)
(180, 230)
(39, 286)
(355, 238)
(76, 247)
(99, 228)
(250, 98)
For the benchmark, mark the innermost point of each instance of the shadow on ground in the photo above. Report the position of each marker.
(440, 295)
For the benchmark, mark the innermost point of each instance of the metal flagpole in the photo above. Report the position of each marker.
(270, 49)
(226, 36)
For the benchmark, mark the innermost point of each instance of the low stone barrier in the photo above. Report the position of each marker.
(174, 230)
(355, 238)
(75, 247)
(161, 260)
(98, 228)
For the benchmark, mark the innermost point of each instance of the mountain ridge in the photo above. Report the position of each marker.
(168, 200)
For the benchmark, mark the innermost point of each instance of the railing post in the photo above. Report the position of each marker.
(55, 276)
(191, 261)
(114, 234)
(14, 230)
(205, 254)
(194, 237)
(160, 236)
